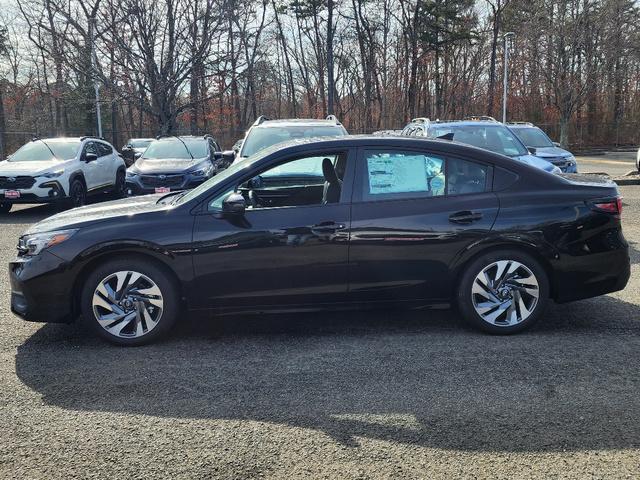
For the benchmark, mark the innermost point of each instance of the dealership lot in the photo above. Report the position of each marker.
(387, 394)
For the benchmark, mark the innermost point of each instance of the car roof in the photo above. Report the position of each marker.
(294, 122)
(466, 123)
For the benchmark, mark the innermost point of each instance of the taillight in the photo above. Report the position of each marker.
(609, 205)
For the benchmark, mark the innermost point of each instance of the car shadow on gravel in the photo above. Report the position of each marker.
(571, 383)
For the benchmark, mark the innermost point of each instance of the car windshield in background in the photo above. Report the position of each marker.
(260, 138)
(139, 143)
(533, 137)
(42, 150)
(495, 138)
(174, 148)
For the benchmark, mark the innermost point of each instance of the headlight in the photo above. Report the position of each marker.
(205, 170)
(30, 245)
(556, 170)
(131, 173)
(571, 159)
(54, 174)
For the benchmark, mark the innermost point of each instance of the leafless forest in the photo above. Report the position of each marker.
(192, 66)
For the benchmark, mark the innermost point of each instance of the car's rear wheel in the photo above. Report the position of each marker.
(503, 292)
(5, 207)
(129, 302)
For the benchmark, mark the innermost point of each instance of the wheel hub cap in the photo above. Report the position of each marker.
(127, 304)
(505, 293)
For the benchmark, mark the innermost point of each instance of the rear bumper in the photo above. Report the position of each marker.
(579, 277)
(41, 289)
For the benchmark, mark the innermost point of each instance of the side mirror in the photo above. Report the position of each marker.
(532, 150)
(90, 157)
(137, 155)
(228, 156)
(234, 204)
(557, 144)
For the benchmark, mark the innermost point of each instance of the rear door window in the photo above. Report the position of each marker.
(401, 174)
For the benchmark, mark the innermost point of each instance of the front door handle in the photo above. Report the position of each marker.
(465, 216)
(327, 227)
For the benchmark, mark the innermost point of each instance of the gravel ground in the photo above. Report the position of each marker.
(384, 395)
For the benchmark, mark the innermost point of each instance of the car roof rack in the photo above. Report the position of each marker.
(528, 124)
(420, 120)
(480, 118)
(95, 137)
(261, 119)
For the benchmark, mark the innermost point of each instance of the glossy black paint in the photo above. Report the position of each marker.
(351, 253)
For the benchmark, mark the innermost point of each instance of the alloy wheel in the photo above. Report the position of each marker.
(505, 293)
(78, 195)
(127, 304)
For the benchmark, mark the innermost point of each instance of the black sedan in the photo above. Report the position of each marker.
(350, 222)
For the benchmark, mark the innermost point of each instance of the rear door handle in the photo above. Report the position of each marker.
(327, 227)
(465, 216)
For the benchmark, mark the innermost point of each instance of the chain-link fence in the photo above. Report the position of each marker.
(582, 136)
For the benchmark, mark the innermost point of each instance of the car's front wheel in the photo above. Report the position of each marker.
(503, 292)
(129, 302)
(119, 189)
(77, 194)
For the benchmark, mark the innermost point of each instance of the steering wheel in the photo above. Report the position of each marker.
(254, 199)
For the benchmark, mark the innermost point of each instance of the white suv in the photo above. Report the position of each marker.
(60, 169)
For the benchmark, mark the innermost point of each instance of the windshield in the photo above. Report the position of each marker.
(262, 137)
(40, 150)
(495, 138)
(174, 148)
(533, 137)
(139, 143)
(223, 175)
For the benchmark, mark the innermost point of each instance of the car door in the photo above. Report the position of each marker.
(293, 251)
(106, 170)
(413, 213)
(91, 170)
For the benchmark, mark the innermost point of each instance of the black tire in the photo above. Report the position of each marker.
(465, 297)
(119, 189)
(5, 207)
(77, 194)
(169, 294)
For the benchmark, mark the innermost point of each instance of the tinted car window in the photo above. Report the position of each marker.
(104, 149)
(465, 177)
(400, 174)
(90, 147)
(42, 150)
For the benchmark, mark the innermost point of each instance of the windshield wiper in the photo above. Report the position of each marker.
(185, 146)
(170, 194)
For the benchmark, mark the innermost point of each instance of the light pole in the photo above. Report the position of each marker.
(94, 72)
(506, 38)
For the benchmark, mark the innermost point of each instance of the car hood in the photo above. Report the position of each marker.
(165, 165)
(536, 162)
(31, 168)
(551, 152)
(83, 216)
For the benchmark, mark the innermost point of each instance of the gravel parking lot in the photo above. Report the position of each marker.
(388, 394)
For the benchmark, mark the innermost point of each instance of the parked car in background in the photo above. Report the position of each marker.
(134, 148)
(237, 146)
(540, 145)
(478, 131)
(355, 222)
(175, 163)
(638, 161)
(265, 132)
(63, 170)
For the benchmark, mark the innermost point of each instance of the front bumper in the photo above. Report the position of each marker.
(44, 191)
(144, 184)
(41, 288)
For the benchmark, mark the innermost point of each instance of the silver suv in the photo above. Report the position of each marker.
(60, 170)
(265, 132)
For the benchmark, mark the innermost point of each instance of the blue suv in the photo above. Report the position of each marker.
(482, 132)
(540, 145)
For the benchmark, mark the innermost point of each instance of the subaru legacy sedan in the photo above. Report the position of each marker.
(315, 224)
